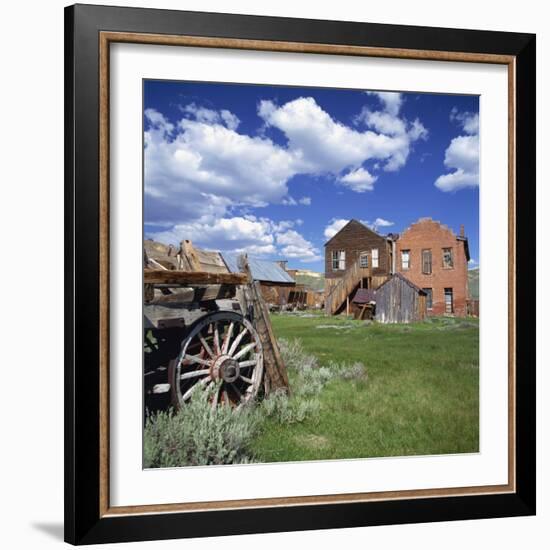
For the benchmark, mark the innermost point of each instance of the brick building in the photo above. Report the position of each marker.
(435, 259)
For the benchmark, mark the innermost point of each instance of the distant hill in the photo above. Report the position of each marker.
(473, 283)
(312, 279)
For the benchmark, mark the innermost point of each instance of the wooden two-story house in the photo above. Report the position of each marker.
(355, 257)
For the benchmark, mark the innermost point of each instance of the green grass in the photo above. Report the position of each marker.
(419, 396)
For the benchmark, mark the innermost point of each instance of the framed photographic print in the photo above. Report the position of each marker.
(299, 274)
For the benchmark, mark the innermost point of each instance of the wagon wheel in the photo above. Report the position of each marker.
(222, 348)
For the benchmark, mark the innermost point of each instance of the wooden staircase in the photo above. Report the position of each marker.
(348, 283)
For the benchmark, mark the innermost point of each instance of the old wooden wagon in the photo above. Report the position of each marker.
(206, 329)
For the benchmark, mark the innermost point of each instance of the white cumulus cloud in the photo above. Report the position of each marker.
(200, 168)
(334, 226)
(321, 144)
(390, 123)
(359, 180)
(462, 155)
(392, 101)
(202, 165)
(260, 237)
(293, 245)
(381, 222)
(210, 116)
(291, 201)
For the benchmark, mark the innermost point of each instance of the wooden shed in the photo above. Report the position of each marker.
(400, 301)
(275, 283)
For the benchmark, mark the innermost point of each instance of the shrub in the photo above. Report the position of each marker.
(295, 357)
(356, 371)
(284, 410)
(198, 435)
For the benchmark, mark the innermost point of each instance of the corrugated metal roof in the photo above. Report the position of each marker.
(262, 270)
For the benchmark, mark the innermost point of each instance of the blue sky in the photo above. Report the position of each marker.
(275, 171)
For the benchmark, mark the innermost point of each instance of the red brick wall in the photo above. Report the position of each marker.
(429, 234)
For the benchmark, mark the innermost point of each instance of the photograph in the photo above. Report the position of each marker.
(299, 272)
(311, 267)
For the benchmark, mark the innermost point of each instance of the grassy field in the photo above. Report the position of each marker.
(419, 394)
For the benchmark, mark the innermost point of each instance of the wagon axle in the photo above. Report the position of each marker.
(225, 368)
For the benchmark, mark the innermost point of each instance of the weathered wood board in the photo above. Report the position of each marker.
(154, 276)
(250, 297)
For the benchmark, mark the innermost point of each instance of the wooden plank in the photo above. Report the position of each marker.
(189, 252)
(276, 376)
(156, 265)
(190, 278)
(339, 293)
(191, 294)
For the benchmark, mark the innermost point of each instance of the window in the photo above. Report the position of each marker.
(405, 259)
(447, 258)
(427, 262)
(374, 253)
(338, 260)
(364, 260)
(448, 300)
(429, 297)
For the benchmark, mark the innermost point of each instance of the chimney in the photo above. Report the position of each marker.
(282, 263)
(462, 230)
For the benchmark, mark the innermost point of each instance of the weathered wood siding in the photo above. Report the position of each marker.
(168, 257)
(355, 238)
(347, 284)
(399, 302)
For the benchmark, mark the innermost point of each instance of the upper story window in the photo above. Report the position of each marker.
(448, 258)
(427, 262)
(405, 259)
(374, 253)
(338, 260)
(364, 260)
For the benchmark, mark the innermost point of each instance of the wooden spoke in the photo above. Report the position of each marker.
(216, 339)
(194, 374)
(247, 380)
(199, 384)
(237, 341)
(197, 359)
(206, 346)
(245, 350)
(227, 338)
(250, 363)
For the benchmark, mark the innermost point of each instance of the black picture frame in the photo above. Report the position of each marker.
(84, 523)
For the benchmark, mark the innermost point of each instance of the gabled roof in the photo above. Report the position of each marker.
(405, 280)
(262, 270)
(360, 226)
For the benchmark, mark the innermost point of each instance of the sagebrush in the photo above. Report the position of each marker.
(199, 434)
